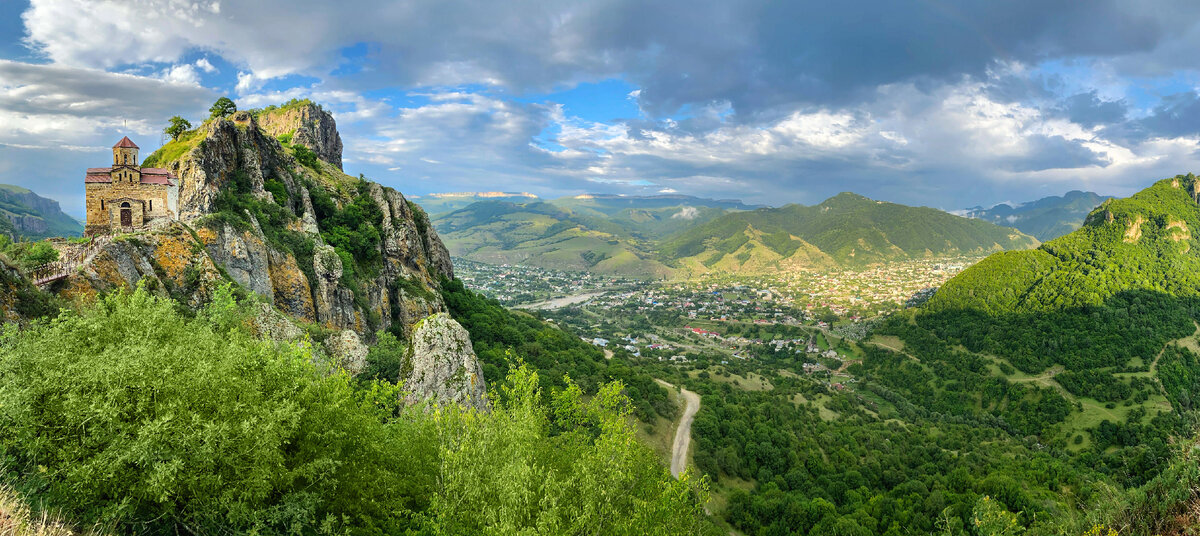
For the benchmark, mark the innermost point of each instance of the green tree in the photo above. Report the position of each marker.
(130, 413)
(177, 127)
(222, 108)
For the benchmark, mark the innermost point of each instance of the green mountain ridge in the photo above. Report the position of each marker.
(653, 238)
(541, 234)
(24, 214)
(1143, 242)
(1047, 218)
(847, 229)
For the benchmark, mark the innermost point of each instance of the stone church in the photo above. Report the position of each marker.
(126, 197)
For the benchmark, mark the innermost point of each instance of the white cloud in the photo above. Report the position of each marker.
(686, 213)
(206, 66)
(181, 74)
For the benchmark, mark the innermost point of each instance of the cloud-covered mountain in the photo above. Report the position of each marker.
(1047, 218)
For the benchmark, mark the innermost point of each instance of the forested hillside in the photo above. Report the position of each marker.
(24, 214)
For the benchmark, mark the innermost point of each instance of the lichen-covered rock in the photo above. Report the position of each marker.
(269, 324)
(334, 302)
(347, 350)
(293, 293)
(442, 367)
(170, 261)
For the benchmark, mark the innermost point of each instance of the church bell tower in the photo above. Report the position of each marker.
(125, 153)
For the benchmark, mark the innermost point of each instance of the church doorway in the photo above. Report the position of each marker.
(126, 216)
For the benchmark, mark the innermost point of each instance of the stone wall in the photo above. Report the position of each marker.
(99, 214)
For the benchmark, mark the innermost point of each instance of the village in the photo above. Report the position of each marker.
(805, 322)
(516, 285)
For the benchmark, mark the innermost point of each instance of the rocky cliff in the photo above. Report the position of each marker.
(34, 216)
(305, 124)
(322, 246)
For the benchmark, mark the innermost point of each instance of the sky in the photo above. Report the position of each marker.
(949, 104)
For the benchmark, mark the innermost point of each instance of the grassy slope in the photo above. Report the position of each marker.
(849, 228)
(540, 234)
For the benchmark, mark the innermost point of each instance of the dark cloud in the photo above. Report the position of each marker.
(1054, 152)
(1176, 115)
(1088, 110)
(756, 55)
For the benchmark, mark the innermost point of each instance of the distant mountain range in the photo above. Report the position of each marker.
(847, 229)
(449, 202)
(661, 236)
(25, 214)
(1047, 218)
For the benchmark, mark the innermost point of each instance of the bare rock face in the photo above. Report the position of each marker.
(348, 351)
(244, 254)
(309, 125)
(233, 149)
(442, 366)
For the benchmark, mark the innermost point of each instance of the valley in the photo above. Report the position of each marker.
(886, 354)
(599, 268)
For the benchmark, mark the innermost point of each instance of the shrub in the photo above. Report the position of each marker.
(130, 413)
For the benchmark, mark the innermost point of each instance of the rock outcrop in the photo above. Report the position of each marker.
(441, 366)
(170, 261)
(307, 124)
(251, 214)
(348, 351)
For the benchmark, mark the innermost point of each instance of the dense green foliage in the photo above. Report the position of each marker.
(1138, 243)
(130, 414)
(25, 254)
(353, 228)
(223, 107)
(177, 127)
(305, 156)
(497, 334)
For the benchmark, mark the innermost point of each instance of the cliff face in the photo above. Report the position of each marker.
(308, 125)
(322, 246)
(34, 216)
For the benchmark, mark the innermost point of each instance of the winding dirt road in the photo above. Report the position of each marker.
(683, 433)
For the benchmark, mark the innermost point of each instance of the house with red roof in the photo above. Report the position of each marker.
(126, 196)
